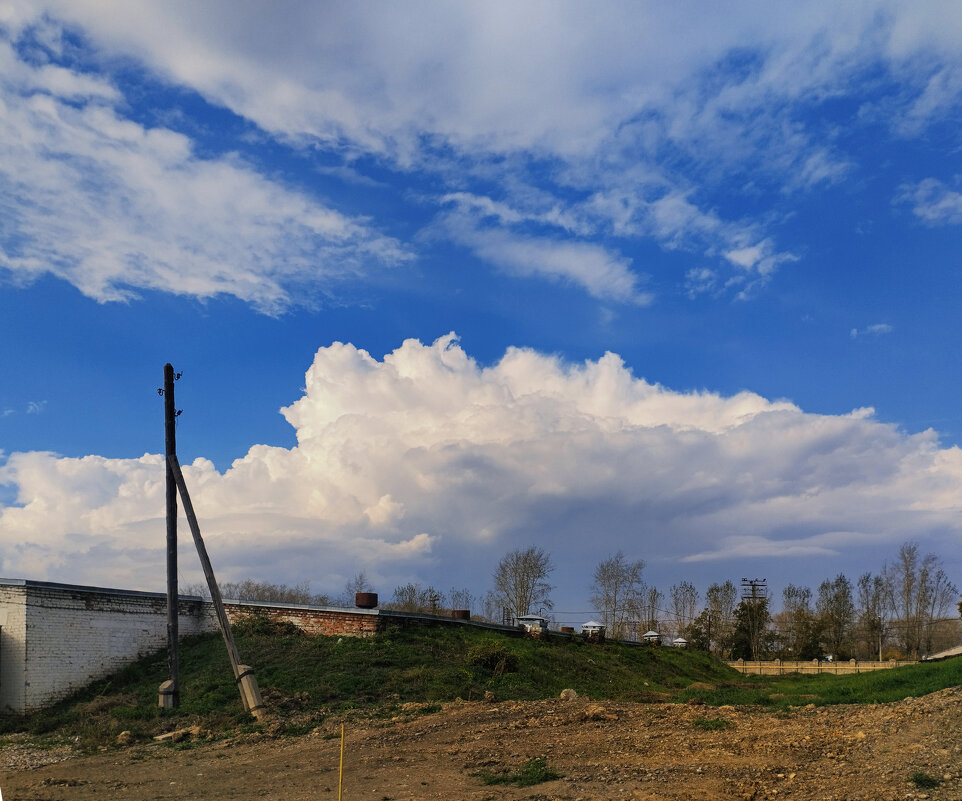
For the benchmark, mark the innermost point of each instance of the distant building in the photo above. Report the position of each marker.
(533, 624)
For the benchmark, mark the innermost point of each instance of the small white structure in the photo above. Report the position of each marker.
(651, 637)
(533, 624)
(679, 642)
(593, 627)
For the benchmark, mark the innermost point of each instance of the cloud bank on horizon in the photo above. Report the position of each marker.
(404, 463)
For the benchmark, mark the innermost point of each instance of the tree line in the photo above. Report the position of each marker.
(900, 612)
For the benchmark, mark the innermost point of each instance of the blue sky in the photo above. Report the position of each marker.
(755, 213)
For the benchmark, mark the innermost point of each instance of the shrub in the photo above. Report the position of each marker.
(494, 656)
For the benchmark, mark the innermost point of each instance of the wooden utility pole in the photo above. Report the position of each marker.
(243, 674)
(170, 689)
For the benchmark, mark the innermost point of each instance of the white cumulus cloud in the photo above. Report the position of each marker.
(426, 464)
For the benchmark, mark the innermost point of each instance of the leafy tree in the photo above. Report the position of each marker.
(750, 637)
(520, 581)
(616, 593)
(797, 624)
(711, 630)
(836, 615)
(699, 631)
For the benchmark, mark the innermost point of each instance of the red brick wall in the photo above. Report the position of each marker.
(346, 623)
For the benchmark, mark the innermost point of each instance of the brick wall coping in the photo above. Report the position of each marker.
(53, 585)
(384, 613)
(307, 607)
(446, 619)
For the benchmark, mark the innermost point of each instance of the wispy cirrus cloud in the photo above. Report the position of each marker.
(874, 330)
(500, 235)
(115, 207)
(933, 202)
(638, 123)
(630, 121)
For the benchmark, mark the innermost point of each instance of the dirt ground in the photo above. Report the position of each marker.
(603, 750)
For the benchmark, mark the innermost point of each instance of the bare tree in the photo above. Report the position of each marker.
(520, 581)
(921, 594)
(652, 604)
(616, 593)
(492, 607)
(684, 605)
(253, 590)
(415, 597)
(936, 594)
(357, 583)
(874, 603)
(461, 598)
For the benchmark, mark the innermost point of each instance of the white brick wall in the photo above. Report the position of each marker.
(61, 638)
(13, 639)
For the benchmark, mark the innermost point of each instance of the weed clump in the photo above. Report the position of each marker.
(923, 780)
(534, 771)
(494, 656)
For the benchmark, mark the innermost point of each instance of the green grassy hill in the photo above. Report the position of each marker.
(305, 679)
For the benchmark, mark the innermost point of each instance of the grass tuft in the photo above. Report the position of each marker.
(923, 780)
(534, 771)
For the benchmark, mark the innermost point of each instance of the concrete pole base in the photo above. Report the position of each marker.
(167, 696)
(250, 692)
